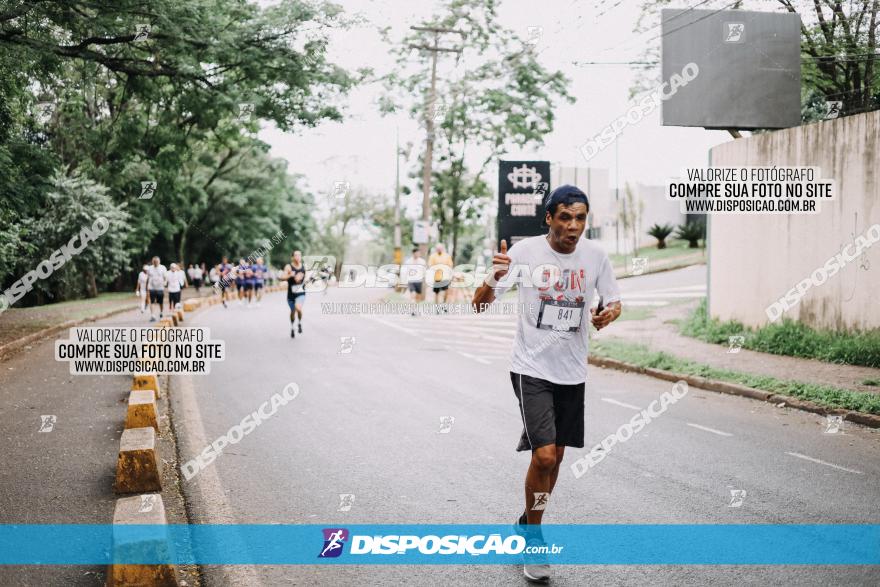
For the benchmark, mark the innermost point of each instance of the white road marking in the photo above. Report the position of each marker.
(474, 357)
(207, 483)
(480, 340)
(707, 429)
(430, 337)
(821, 462)
(392, 325)
(619, 403)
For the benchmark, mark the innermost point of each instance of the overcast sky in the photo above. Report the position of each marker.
(361, 148)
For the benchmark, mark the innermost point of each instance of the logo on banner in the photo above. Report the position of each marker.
(524, 177)
(334, 540)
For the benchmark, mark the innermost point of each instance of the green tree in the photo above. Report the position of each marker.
(499, 97)
(75, 203)
(356, 210)
(164, 107)
(630, 216)
(660, 232)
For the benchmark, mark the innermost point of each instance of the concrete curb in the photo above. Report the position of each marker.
(147, 510)
(870, 420)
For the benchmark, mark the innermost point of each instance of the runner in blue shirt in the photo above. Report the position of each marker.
(260, 272)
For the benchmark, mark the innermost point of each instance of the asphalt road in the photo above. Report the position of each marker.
(367, 422)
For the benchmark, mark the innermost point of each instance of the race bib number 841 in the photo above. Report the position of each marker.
(560, 315)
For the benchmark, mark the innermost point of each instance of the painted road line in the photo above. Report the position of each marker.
(707, 429)
(474, 357)
(478, 341)
(392, 325)
(619, 403)
(821, 462)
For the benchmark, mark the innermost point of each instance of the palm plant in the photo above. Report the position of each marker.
(692, 232)
(660, 232)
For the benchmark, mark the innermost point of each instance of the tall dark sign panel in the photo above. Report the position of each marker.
(522, 187)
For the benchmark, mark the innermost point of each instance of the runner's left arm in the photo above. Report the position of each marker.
(606, 286)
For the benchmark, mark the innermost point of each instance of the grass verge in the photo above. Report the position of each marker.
(826, 395)
(788, 338)
(674, 248)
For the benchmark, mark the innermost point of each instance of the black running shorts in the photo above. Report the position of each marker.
(551, 413)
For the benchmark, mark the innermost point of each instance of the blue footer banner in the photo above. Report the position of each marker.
(295, 544)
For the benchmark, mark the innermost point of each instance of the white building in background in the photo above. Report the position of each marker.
(602, 221)
(657, 210)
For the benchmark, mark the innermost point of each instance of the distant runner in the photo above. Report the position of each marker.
(549, 360)
(239, 281)
(156, 286)
(196, 278)
(441, 286)
(413, 271)
(260, 274)
(295, 274)
(250, 283)
(176, 280)
(140, 289)
(225, 276)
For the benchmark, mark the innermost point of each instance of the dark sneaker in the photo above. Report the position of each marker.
(536, 569)
(292, 332)
(521, 525)
(299, 328)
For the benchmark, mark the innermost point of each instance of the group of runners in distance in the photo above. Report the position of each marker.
(244, 281)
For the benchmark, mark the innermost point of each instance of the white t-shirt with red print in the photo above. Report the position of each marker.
(556, 292)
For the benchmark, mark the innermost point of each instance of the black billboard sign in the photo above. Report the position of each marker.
(522, 187)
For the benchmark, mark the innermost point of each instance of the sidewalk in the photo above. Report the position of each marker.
(655, 333)
(66, 475)
(18, 323)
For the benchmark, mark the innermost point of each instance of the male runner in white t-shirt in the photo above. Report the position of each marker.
(557, 275)
(156, 286)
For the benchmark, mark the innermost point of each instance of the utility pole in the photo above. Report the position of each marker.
(617, 198)
(398, 257)
(430, 109)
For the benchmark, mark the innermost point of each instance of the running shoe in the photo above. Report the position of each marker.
(292, 332)
(521, 525)
(536, 569)
(300, 327)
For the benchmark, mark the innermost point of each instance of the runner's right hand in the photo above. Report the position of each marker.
(500, 262)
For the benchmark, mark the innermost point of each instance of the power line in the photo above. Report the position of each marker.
(713, 13)
(679, 15)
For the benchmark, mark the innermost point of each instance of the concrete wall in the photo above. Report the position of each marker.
(756, 259)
